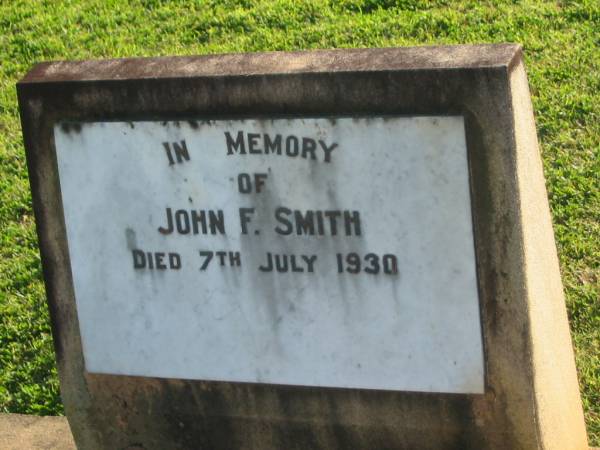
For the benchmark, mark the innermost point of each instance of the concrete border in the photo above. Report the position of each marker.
(24, 432)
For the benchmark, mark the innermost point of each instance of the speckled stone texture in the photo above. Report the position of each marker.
(531, 398)
(22, 432)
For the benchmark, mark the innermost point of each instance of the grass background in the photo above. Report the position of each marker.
(561, 41)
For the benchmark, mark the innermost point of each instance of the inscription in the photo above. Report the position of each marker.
(288, 222)
(301, 251)
(193, 222)
(291, 146)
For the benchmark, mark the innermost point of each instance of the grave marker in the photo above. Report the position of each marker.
(331, 249)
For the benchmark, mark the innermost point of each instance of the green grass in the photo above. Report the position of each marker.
(561, 41)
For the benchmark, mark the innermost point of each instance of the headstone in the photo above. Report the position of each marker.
(330, 249)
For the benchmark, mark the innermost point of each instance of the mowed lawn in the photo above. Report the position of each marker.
(561, 41)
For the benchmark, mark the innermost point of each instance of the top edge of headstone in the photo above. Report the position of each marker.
(454, 57)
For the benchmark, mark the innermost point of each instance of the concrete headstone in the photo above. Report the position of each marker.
(332, 249)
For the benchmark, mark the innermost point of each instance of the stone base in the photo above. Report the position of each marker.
(22, 432)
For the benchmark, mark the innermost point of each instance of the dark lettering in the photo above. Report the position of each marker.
(139, 259)
(198, 218)
(244, 183)
(182, 221)
(217, 221)
(373, 259)
(281, 263)
(310, 262)
(235, 259)
(327, 150)
(273, 146)
(304, 224)
(293, 265)
(236, 145)
(253, 143)
(259, 181)
(269, 265)
(168, 151)
(292, 146)
(280, 216)
(352, 221)
(332, 216)
(245, 218)
(174, 261)
(353, 262)
(390, 264)
(150, 260)
(169, 228)
(159, 261)
(181, 152)
(309, 146)
(208, 257)
(221, 255)
(320, 225)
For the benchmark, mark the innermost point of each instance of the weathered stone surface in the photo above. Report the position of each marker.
(22, 432)
(531, 398)
(359, 301)
(25, 432)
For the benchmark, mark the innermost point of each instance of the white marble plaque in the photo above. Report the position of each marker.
(300, 251)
